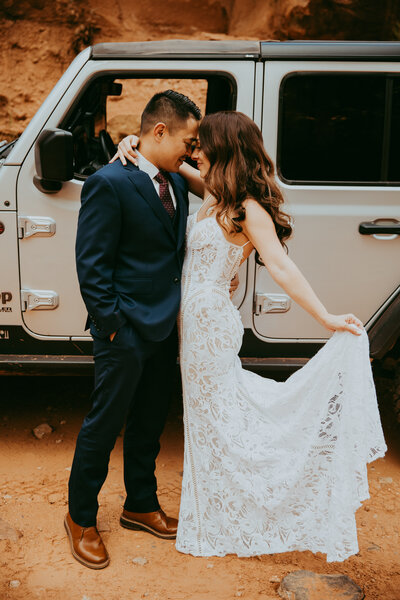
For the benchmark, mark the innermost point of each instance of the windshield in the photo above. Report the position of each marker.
(6, 147)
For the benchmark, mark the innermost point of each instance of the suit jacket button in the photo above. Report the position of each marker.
(176, 279)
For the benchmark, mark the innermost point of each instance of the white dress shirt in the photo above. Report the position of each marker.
(151, 170)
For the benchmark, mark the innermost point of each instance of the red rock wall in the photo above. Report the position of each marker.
(39, 38)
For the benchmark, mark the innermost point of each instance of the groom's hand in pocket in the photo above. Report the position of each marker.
(112, 336)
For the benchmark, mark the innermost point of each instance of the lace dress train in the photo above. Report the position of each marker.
(268, 466)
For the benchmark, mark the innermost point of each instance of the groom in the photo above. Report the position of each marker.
(129, 254)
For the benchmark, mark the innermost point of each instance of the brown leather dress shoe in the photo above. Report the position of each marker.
(86, 545)
(155, 522)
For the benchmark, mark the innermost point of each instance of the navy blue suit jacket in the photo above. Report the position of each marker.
(129, 255)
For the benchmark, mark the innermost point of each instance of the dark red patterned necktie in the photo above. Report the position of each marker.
(165, 194)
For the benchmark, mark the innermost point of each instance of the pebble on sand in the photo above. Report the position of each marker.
(373, 546)
(306, 585)
(42, 430)
(7, 532)
(140, 560)
(55, 497)
(15, 583)
(103, 525)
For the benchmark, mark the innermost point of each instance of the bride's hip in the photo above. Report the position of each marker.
(210, 298)
(210, 329)
(216, 311)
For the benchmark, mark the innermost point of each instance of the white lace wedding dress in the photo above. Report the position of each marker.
(268, 466)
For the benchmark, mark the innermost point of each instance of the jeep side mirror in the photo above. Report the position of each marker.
(54, 160)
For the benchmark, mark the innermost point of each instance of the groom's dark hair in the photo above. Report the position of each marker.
(170, 107)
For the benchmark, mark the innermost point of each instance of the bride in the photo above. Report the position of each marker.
(268, 466)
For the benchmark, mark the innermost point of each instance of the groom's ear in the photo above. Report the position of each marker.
(159, 131)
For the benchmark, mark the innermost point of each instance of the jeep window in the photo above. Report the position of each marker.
(394, 150)
(339, 129)
(111, 106)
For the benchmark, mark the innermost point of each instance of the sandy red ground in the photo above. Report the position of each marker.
(33, 488)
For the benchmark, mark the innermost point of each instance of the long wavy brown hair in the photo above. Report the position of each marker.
(240, 169)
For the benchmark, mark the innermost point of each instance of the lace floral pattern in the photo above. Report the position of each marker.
(268, 466)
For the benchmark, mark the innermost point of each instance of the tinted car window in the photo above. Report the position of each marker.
(334, 128)
(394, 153)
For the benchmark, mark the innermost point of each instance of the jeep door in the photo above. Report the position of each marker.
(51, 302)
(333, 130)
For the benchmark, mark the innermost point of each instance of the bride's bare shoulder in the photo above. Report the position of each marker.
(255, 212)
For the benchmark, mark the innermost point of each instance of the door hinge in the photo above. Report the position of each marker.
(40, 226)
(39, 300)
(267, 303)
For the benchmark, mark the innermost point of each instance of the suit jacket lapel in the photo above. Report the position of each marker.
(181, 210)
(145, 187)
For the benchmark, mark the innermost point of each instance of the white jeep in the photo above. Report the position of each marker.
(330, 117)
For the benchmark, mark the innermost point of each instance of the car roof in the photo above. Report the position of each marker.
(249, 49)
(178, 49)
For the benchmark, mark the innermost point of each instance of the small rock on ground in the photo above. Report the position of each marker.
(385, 480)
(7, 532)
(140, 560)
(103, 526)
(41, 430)
(55, 497)
(306, 585)
(373, 547)
(15, 583)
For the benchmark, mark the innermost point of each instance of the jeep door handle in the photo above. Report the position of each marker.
(378, 226)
